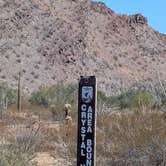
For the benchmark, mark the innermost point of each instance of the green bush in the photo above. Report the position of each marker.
(102, 98)
(56, 95)
(8, 96)
(123, 100)
(143, 99)
(14, 156)
(163, 98)
(160, 98)
(131, 99)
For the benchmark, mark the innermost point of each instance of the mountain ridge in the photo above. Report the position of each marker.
(53, 42)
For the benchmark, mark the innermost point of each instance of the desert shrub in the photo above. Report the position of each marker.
(68, 134)
(131, 99)
(8, 96)
(132, 138)
(123, 100)
(21, 152)
(7, 93)
(102, 98)
(57, 112)
(143, 99)
(160, 98)
(13, 155)
(56, 95)
(29, 139)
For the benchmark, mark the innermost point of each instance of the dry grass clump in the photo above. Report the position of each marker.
(13, 155)
(60, 138)
(17, 148)
(133, 138)
(127, 137)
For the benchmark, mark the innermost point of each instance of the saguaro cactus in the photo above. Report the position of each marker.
(19, 93)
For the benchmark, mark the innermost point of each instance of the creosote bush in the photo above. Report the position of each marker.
(7, 93)
(132, 138)
(57, 95)
(128, 99)
(15, 156)
(133, 99)
(143, 99)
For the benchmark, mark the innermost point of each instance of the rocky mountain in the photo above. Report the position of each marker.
(57, 41)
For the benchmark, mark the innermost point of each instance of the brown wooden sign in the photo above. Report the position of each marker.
(86, 140)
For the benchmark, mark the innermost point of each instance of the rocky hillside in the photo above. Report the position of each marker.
(57, 41)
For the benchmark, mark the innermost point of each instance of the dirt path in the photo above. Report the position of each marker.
(45, 159)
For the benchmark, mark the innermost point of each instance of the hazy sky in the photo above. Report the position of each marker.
(154, 10)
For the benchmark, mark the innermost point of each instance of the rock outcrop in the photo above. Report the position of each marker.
(137, 19)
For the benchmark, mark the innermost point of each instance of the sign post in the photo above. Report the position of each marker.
(86, 138)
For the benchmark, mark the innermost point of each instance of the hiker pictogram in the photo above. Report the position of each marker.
(87, 94)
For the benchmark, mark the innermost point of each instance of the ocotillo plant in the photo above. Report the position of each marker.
(19, 93)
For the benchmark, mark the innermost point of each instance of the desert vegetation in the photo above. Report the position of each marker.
(131, 128)
(50, 42)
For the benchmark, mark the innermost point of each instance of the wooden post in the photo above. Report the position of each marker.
(86, 141)
(19, 93)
